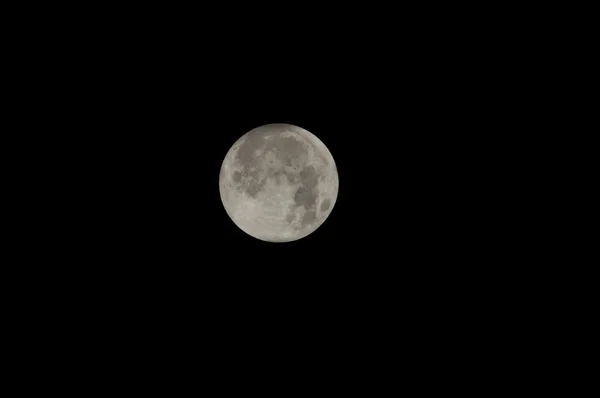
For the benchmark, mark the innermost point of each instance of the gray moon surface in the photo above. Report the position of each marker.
(278, 183)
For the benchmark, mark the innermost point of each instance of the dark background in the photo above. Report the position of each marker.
(142, 110)
(147, 107)
(402, 122)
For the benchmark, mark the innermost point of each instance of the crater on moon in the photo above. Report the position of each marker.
(280, 182)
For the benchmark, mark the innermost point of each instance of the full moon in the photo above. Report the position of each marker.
(278, 183)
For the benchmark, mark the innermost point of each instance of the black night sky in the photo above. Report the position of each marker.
(148, 115)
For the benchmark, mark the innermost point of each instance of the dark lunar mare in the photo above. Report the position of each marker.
(245, 157)
(237, 176)
(306, 195)
(325, 205)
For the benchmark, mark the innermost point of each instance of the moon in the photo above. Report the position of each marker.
(278, 183)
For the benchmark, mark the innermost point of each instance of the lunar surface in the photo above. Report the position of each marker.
(278, 183)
